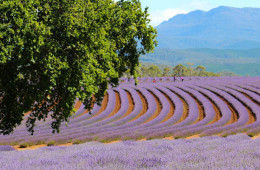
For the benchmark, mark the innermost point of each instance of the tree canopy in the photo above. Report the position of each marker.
(54, 51)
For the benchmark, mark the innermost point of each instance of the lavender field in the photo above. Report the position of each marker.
(213, 152)
(211, 108)
(200, 106)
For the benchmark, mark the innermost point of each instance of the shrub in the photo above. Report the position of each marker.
(51, 143)
(251, 134)
(24, 145)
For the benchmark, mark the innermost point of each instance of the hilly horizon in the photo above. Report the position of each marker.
(220, 28)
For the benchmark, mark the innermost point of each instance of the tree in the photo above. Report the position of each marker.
(52, 52)
(190, 69)
(166, 72)
(154, 71)
(200, 70)
(179, 70)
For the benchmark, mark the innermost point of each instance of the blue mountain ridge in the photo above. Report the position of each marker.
(220, 28)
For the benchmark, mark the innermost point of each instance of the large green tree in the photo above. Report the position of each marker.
(54, 51)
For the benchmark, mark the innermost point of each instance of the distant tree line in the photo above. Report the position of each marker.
(187, 70)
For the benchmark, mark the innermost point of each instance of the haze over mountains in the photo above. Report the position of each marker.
(222, 39)
(222, 28)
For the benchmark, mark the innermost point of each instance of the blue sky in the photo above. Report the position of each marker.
(162, 10)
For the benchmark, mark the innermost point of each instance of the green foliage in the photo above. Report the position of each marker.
(51, 143)
(52, 52)
(24, 145)
(155, 70)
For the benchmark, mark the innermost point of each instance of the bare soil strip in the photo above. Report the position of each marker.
(77, 105)
(218, 114)
(234, 116)
(117, 105)
(86, 111)
(172, 108)
(158, 108)
(192, 137)
(200, 107)
(257, 136)
(253, 91)
(144, 104)
(16, 147)
(249, 97)
(27, 113)
(103, 105)
(201, 111)
(169, 138)
(185, 109)
(252, 116)
(131, 105)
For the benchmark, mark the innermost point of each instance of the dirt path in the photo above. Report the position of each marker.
(16, 147)
(158, 108)
(144, 106)
(117, 105)
(103, 105)
(172, 108)
(185, 110)
(131, 105)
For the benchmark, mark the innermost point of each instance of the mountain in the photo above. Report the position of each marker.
(219, 28)
(243, 62)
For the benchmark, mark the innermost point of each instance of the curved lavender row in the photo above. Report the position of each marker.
(255, 109)
(250, 88)
(151, 109)
(72, 127)
(226, 113)
(208, 109)
(192, 115)
(85, 131)
(254, 96)
(129, 125)
(165, 107)
(75, 118)
(41, 127)
(123, 109)
(178, 108)
(209, 117)
(137, 109)
(164, 112)
(107, 111)
(193, 108)
(242, 112)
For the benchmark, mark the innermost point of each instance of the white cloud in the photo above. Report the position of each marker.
(159, 16)
(198, 4)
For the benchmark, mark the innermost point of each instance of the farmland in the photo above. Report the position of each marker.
(199, 106)
(208, 116)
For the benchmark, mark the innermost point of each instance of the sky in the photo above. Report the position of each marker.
(162, 10)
